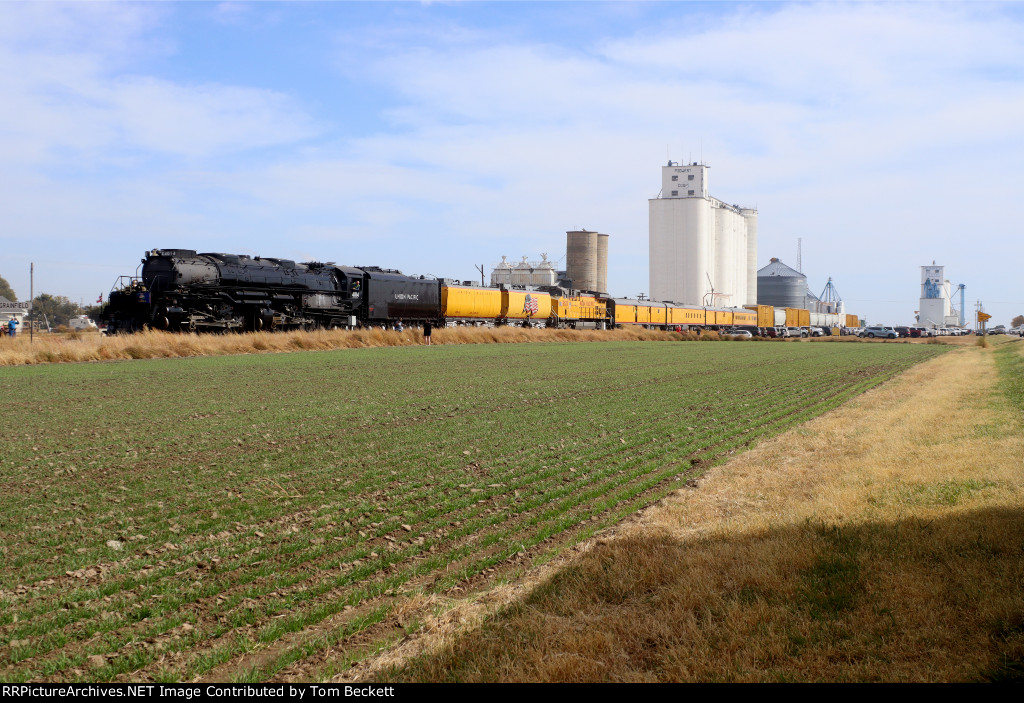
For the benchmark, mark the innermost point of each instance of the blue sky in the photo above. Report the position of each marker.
(434, 137)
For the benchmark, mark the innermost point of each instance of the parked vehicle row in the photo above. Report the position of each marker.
(885, 332)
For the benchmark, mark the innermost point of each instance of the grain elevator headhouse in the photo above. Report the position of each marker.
(702, 250)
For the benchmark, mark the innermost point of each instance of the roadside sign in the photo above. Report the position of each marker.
(8, 306)
(984, 316)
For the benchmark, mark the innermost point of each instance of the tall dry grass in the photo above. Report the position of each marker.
(880, 542)
(47, 348)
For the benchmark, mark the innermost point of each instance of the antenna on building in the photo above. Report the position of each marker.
(962, 289)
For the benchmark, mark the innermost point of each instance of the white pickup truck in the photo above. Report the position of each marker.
(82, 322)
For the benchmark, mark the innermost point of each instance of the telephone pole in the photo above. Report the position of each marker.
(31, 297)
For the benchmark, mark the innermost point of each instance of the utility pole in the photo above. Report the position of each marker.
(480, 268)
(981, 316)
(31, 297)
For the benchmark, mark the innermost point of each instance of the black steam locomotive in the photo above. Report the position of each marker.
(181, 290)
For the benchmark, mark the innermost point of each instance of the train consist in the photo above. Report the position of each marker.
(182, 290)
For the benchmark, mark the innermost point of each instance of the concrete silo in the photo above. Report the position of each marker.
(750, 215)
(602, 263)
(586, 261)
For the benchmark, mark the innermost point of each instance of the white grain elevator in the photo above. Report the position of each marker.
(699, 243)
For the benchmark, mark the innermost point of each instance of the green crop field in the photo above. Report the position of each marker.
(162, 519)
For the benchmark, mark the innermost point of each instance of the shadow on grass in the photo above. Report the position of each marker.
(914, 600)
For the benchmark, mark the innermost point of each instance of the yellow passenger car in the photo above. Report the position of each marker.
(745, 318)
(642, 313)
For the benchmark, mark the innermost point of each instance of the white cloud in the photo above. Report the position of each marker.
(67, 95)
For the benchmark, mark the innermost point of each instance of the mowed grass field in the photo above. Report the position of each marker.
(273, 516)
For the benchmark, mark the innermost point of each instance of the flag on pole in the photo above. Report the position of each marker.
(100, 299)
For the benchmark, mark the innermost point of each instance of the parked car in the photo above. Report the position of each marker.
(908, 331)
(884, 332)
(737, 332)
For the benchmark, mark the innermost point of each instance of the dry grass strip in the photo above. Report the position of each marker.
(883, 541)
(154, 344)
(91, 346)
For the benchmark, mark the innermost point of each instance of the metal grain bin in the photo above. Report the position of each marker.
(781, 286)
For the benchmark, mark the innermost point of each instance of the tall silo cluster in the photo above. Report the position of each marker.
(586, 261)
(702, 250)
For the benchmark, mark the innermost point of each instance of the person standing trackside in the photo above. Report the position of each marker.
(426, 333)
(12, 325)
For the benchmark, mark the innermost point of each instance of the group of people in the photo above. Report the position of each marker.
(10, 327)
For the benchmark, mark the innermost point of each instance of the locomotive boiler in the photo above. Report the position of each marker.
(182, 290)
